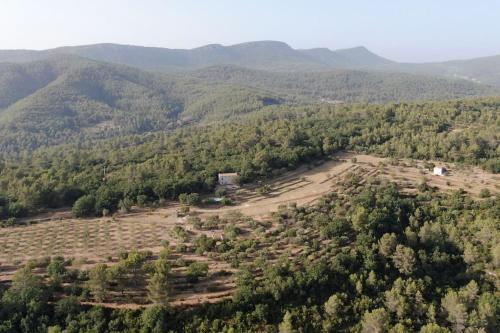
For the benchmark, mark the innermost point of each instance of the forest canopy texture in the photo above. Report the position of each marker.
(97, 138)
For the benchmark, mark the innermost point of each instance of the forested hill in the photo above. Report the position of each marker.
(346, 85)
(72, 99)
(265, 55)
(162, 165)
(66, 99)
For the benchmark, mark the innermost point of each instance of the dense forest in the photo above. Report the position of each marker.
(68, 99)
(376, 261)
(347, 86)
(159, 166)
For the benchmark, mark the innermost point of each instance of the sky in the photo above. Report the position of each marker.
(402, 30)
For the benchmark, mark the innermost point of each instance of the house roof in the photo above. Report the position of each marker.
(228, 174)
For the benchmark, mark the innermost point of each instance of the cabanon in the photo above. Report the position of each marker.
(228, 178)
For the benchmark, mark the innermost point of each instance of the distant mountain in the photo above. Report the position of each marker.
(480, 70)
(263, 55)
(354, 58)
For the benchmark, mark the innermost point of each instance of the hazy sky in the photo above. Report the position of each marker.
(404, 30)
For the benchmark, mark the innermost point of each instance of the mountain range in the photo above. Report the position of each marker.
(74, 94)
(264, 55)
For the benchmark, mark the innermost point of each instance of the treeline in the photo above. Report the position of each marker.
(161, 166)
(375, 260)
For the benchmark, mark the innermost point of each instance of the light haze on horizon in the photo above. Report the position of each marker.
(407, 31)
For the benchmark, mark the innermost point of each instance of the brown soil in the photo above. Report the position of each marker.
(100, 239)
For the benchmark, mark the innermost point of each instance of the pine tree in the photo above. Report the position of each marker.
(98, 282)
(404, 259)
(375, 322)
(158, 289)
(158, 286)
(286, 325)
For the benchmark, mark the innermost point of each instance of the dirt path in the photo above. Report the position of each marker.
(97, 238)
(89, 241)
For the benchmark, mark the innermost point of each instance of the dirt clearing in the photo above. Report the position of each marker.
(100, 237)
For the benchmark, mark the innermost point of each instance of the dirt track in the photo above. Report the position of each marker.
(143, 229)
(98, 239)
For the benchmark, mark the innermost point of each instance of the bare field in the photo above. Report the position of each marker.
(89, 241)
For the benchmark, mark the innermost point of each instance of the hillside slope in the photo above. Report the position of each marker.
(346, 85)
(70, 98)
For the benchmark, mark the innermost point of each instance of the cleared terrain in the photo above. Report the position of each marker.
(89, 241)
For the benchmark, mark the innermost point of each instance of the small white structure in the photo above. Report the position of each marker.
(439, 171)
(228, 178)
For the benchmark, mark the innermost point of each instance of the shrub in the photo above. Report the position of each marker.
(231, 231)
(84, 206)
(165, 253)
(266, 189)
(106, 199)
(226, 201)
(204, 244)
(16, 210)
(10, 222)
(220, 192)
(484, 193)
(191, 199)
(142, 200)
(179, 233)
(195, 222)
(181, 248)
(125, 205)
(196, 270)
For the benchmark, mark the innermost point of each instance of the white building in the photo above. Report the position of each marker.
(228, 178)
(439, 171)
